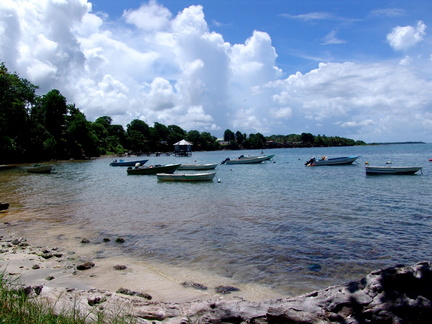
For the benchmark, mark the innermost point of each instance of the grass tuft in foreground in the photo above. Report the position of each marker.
(21, 306)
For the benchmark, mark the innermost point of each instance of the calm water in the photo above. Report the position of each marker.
(281, 224)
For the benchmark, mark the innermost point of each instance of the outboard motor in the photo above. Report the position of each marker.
(310, 162)
(225, 161)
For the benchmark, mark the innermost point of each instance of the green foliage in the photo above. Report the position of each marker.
(16, 98)
(229, 135)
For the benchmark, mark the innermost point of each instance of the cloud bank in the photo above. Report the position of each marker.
(160, 67)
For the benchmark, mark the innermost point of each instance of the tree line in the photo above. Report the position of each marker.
(41, 128)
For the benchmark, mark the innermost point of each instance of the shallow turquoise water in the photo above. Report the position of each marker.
(280, 224)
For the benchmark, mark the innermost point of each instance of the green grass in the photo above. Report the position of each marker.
(17, 306)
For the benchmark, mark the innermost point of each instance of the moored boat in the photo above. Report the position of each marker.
(248, 159)
(398, 170)
(38, 168)
(202, 176)
(342, 160)
(127, 163)
(153, 169)
(207, 166)
(7, 166)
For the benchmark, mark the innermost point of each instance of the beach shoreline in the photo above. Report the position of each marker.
(52, 259)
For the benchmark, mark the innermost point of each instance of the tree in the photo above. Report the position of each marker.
(80, 140)
(239, 137)
(139, 134)
(194, 137)
(255, 141)
(49, 113)
(158, 137)
(176, 133)
(209, 142)
(229, 136)
(307, 138)
(16, 98)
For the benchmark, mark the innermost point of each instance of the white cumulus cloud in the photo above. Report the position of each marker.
(402, 38)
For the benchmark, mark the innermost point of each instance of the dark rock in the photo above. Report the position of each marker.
(47, 255)
(85, 266)
(120, 267)
(36, 266)
(49, 278)
(106, 239)
(16, 242)
(37, 289)
(226, 289)
(393, 295)
(194, 285)
(120, 240)
(85, 241)
(129, 292)
(95, 300)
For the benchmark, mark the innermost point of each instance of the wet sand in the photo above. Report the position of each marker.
(23, 243)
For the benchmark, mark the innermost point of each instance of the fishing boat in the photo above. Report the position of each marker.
(392, 169)
(127, 163)
(248, 159)
(342, 160)
(153, 169)
(38, 168)
(7, 166)
(203, 176)
(208, 166)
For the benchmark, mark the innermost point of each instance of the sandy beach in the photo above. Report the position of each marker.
(49, 255)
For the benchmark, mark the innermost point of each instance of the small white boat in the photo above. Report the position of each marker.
(392, 169)
(153, 169)
(248, 159)
(332, 161)
(203, 176)
(37, 168)
(127, 163)
(208, 166)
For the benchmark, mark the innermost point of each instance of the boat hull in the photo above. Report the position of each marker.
(209, 166)
(250, 159)
(169, 168)
(7, 167)
(343, 160)
(127, 163)
(372, 170)
(40, 169)
(204, 176)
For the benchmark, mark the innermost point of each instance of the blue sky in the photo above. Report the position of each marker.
(358, 69)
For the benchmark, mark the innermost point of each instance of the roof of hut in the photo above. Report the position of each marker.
(183, 142)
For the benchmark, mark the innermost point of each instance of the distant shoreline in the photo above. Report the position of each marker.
(395, 143)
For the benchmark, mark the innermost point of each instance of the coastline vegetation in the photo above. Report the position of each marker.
(18, 306)
(41, 128)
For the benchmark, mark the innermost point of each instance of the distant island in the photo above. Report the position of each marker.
(393, 143)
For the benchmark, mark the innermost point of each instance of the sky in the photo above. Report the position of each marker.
(359, 69)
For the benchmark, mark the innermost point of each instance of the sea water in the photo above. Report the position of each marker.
(278, 224)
